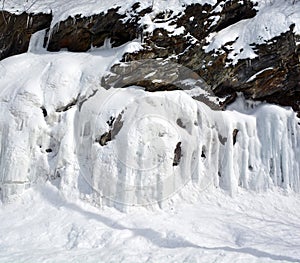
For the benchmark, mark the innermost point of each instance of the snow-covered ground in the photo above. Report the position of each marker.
(252, 227)
(197, 185)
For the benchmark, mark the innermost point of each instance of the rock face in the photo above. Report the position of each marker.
(280, 83)
(78, 34)
(274, 75)
(16, 30)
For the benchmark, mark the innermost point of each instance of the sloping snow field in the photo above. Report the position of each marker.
(41, 226)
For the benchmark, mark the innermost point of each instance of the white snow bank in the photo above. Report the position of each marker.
(44, 227)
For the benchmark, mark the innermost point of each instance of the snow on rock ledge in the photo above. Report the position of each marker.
(123, 147)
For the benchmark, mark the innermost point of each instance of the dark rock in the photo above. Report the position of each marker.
(279, 84)
(177, 154)
(233, 12)
(70, 105)
(16, 31)
(276, 68)
(203, 152)
(204, 21)
(157, 75)
(234, 135)
(180, 123)
(106, 137)
(203, 155)
(222, 139)
(79, 34)
(44, 112)
(115, 125)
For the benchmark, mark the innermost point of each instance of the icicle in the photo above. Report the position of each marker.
(58, 26)
(31, 22)
(49, 34)
(28, 21)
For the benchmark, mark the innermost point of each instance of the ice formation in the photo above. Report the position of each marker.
(123, 147)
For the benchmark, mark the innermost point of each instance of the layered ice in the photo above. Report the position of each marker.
(128, 147)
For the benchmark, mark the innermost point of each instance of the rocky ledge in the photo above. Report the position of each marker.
(273, 75)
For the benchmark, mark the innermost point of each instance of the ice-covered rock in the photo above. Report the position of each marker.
(54, 113)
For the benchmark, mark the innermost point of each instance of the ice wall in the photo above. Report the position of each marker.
(254, 148)
(124, 147)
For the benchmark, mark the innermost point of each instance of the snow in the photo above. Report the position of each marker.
(136, 167)
(271, 20)
(50, 80)
(44, 227)
(62, 9)
(258, 73)
(229, 199)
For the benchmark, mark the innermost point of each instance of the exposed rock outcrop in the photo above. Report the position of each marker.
(16, 31)
(80, 33)
(274, 75)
